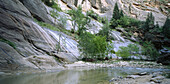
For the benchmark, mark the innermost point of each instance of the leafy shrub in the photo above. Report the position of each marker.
(56, 6)
(125, 52)
(91, 45)
(105, 30)
(52, 4)
(149, 50)
(124, 21)
(8, 42)
(79, 19)
(166, 28)
(48, 2)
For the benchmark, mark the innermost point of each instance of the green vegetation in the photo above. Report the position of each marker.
(46, 25)
(149, 50)
(57, 28)
(105, 30)
(120, 20)
(166, 28)
(149, 23)
(52, 3)
(79, 19)
(92, 46)
(125, 52)
(8, 42)
(95, 16)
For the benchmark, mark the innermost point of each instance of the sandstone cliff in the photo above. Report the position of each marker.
(34, 46)
(133, 8)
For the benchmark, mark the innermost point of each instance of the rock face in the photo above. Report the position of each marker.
(133, 8)
(165, 57)
(18, 27)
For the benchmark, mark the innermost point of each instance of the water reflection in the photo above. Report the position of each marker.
(93, 76)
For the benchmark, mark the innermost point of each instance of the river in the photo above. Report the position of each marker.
(73, 76)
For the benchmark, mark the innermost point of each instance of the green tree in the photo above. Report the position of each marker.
(121, 13)
(149, 50)
(91, 45)
(149, 23)
(117, 15)
(166, 28)
(116, 12)
(79, 19)
(124, 21)
(125, 52)
(48, 2)
(105, 30)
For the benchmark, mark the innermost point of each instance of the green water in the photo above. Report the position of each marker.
(77, 76)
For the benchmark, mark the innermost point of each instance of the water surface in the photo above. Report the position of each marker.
(76, 76)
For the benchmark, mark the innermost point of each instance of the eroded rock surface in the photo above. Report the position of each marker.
(134, 8)
(18, 27)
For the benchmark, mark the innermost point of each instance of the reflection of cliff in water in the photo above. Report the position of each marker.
(92, 76)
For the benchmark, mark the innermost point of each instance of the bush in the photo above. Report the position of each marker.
(166, 28)
(56, 6)
(48, 2)
(124, 21)
(52, 4)
(91, 45)
(149, 50)
(79, 19)
(105, 30)
(125, 52)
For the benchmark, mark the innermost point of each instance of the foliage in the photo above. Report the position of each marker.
(125, 52)
(166, 28)
(56, 6)
(149, 23)
(105, 30)
(91, 45)
(149, 50)
(48, 2)
(79, 19)
(63, 19)
(116, 12)
(8, 42)
(95, 16)
(113, 23)
(49, 26)
(124, 21)
(52, 4)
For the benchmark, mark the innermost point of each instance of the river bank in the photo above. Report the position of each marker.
(116, 63)
(108, 72)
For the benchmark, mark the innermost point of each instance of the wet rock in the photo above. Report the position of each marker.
(133, 76)
(157, 79)
(142, 74)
